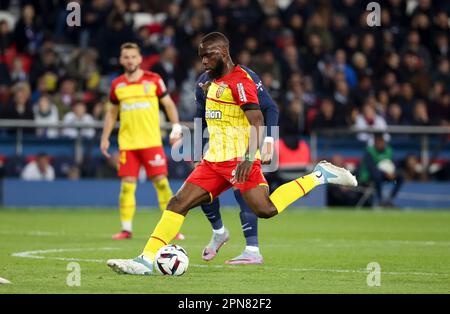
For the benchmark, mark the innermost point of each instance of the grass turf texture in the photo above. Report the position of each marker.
(317, 251)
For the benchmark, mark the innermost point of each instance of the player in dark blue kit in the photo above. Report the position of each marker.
(249, 220)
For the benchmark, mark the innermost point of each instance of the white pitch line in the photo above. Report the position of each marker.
(38, 255)
(328, 244)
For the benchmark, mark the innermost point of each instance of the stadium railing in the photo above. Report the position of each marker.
(431, 141)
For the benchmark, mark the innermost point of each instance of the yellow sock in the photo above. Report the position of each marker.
(164, 192)
(166, 229)
(127, 204)
(292, 191)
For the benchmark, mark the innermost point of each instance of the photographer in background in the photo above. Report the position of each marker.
(377, 167)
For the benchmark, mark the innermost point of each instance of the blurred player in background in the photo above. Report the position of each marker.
(234, 121)
(249, 221)
(136, 95)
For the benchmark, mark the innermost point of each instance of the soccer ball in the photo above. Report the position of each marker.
(171, 260)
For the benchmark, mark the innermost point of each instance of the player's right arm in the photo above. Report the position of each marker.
(110, 121)
(108, 126)
(201, 89)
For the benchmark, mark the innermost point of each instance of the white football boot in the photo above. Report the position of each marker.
(137, 266)
(334, 174)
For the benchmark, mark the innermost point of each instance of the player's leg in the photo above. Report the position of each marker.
(163, 190)
(128, 171)
(200, 187)
(220, 234)
(189, 196)
(155, 163)
(164, 194)
(249, 223)
(266, 206)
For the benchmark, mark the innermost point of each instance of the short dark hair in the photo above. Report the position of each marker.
(215, 37)
(130, 45)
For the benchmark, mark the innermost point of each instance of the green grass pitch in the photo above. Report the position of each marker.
(305, 251)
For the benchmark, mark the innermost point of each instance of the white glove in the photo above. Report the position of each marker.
(267, 150)
(176, 133)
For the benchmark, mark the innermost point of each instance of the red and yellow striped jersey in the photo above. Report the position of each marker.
(139, 110)
(228, 127)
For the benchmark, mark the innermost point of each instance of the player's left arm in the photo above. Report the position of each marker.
(245, 94)
(256, 120)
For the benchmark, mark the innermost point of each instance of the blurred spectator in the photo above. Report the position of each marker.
(420, 114)
(328, 117)
(66, 96)
(195, 8)
(78, 116)
(290, 63)
(313, 53)
(394, 115)
(377, 167)
(18, 73)
(166, 68)
(295, 87)
(442, 73)
(325, 75)
(293, 119)
(46, 112)
(413, 71)
(369, 49)
(266, 63)
(441, 110)
(28, 34)
(94, 14)
(39, 169)
(273, 87)
(84, 67)
(46, 64)
(442, 49)
(6, 39)
(369, 118)
(20, 107)
(99, 109)
(341, 65)
(317, 25)
(364, 89)
(109, 38)
(406, 100)
(186, 106)
(412, 170)
(413, 45)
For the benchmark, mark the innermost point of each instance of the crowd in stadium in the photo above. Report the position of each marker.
(324, 66)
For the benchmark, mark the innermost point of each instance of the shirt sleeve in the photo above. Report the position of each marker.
(244, 92)
(200, 102)
(269, 109)
(161, 89)
(112, 94)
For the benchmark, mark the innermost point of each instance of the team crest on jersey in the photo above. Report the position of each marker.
(221, 89)
(147, 86)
